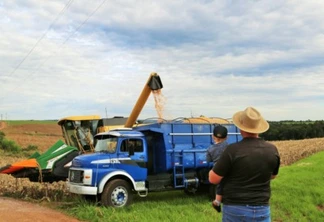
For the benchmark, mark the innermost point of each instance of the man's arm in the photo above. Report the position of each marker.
(276, 170)
(214, 178)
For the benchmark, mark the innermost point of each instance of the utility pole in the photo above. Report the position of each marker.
(106, 112)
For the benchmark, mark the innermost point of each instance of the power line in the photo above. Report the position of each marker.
(40, 39)
(77, 29)
(67, 5)
(68, 38)
(89, 16)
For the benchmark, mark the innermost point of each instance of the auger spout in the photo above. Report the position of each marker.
(153, 83)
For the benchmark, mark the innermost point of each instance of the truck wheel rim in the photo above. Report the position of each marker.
(119, 196)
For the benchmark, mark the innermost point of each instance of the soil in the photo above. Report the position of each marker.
(2, 125)
(22, 211)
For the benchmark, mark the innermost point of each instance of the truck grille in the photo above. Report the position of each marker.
(76, 176)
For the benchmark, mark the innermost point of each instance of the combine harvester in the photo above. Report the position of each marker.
(78, 133)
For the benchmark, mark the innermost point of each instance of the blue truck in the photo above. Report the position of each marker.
(151, 157)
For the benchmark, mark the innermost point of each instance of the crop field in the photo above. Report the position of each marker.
(42, 134)
(45, 134)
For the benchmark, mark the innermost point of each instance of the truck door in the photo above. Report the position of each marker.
(134, 149)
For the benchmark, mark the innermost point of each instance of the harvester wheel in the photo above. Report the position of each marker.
(117, 193)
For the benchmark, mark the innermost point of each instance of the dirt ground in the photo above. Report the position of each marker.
(22, 211)
(2, 125)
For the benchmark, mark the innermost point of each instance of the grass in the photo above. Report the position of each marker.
(297, 195)
(166, 206)
(23, 122)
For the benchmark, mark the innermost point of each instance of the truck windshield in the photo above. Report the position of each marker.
(106, 145)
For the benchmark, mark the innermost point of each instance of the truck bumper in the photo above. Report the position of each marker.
(79, 189)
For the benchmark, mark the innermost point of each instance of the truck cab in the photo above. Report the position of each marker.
(125, 148)
(117, 167)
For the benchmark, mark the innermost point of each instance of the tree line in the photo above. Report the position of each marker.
(294, 130)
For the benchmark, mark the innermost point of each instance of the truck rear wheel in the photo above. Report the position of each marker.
(117, 193)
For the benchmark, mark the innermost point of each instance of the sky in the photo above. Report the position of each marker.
(64, 58)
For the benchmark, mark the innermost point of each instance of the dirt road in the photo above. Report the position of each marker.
(22, 211)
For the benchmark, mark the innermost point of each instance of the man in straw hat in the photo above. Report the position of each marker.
(246, 168)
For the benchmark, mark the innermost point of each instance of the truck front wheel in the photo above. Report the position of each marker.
(117, 193)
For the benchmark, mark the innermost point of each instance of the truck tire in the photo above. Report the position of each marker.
(117, 193)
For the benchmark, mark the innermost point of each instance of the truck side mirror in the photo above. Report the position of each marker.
(131, 150)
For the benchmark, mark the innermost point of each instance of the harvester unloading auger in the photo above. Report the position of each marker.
(153, 83)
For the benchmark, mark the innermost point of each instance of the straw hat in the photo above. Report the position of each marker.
(250, 120)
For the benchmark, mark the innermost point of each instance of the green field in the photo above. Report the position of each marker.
(23, 122)
(297, 195)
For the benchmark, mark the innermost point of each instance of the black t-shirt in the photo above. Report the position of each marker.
(247, 167)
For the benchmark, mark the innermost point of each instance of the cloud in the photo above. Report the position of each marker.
(214, 57)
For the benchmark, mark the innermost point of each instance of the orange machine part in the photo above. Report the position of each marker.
(30, 163)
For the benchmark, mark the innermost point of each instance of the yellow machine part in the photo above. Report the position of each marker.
(78, 118)
(204, 119)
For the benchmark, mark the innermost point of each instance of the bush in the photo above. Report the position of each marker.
(30, 148)
(2, 136)
(9, 146)
(30, 151)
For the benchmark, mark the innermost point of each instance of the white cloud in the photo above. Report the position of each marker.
(214, 57)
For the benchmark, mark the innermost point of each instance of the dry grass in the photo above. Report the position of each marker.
(294, 150)
(45, 136)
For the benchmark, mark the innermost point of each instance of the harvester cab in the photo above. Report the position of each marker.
(78, 131)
